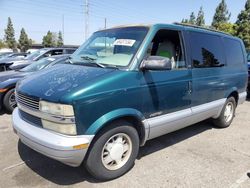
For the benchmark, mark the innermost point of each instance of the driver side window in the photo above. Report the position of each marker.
(168, 44)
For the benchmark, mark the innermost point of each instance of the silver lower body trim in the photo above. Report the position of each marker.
(177, 120)
(242, 97)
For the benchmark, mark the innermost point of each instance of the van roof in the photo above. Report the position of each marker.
(181, 26)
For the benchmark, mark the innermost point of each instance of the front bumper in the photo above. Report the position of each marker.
(54, 145)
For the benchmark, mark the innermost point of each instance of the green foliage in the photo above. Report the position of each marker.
(184, 20)
(227, 28)
(10, 35)
(49, 40)
(24, 41)
(192, 19)
(60, 39)
(243, 25)
(221, 15)
(200, 20)
(2, 44)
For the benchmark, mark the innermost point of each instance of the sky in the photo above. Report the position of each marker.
(39, 16)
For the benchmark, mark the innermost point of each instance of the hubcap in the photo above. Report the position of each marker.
(228, 113)
(116, 151)
(12, 100)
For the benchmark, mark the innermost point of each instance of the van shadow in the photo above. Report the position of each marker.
(248, 96)
(3, 112)
(173, 138)
(61, 174)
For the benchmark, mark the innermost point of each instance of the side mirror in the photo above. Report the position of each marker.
(156, 63)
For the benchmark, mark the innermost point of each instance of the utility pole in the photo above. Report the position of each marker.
(63, 27)
(86, 19)
(105, 23)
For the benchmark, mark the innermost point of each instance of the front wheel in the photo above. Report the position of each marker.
(9, 100)
(227, 114)
(113, 152)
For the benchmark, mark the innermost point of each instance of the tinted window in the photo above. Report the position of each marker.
(206, 50)
(233, 51)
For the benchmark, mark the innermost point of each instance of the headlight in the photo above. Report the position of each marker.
(60, 110)
(56, 109)
(69, 129)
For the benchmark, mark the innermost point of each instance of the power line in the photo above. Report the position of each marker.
(119, 10)
(40, 14)
(55, 8)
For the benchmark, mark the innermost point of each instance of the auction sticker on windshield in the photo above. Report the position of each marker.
(124, 42)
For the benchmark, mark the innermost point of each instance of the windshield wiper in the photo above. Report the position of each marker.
(69, 60)
(92, 61)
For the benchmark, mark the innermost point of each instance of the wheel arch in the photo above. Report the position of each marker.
(127, 114)
(233, 93)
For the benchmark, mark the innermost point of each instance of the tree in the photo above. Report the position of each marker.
(243, 26)
(192, 19)
(227, 28)
(200, 20)
(2, 44)
(60, 39)
(24, 41)
(184, 20)
(49, 40)
(10, 35)
(221, 15)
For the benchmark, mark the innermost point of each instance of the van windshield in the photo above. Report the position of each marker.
(110, 48)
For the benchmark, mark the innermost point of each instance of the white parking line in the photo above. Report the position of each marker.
(13, 166)
(241, 180)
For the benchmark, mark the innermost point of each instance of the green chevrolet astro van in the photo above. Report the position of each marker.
(127, 85)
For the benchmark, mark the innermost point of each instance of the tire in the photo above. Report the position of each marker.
(107, 148)
(9, 101)
(225, 119)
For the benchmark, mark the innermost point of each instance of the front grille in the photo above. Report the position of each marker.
(30, 118)
(27, 102)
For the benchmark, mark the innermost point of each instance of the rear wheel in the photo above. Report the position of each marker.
(9, 100)
(113, 152)
(227, 114)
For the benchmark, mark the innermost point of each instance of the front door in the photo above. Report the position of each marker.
(167, 93)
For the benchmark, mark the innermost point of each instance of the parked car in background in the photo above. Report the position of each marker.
(35, 56)
(127, 85)
(11, 57)
(15, 55)
(3, 54)
(31, 50)
(8, 79)
(248, 62)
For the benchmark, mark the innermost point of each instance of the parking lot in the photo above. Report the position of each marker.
(197, 156)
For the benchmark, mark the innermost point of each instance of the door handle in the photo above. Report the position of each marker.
(189, 87)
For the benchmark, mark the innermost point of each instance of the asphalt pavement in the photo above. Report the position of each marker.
(197, 156)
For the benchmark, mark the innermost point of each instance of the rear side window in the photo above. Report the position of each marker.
(207, 50)
(233, 52)
(69, 51)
